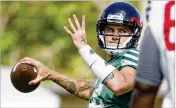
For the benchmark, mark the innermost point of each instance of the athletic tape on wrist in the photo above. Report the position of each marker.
(98, 66)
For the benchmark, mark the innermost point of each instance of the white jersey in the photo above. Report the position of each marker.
(161, 20)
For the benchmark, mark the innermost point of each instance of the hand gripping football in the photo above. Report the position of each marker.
(21, 75)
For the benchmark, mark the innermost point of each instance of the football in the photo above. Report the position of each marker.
(21, 75)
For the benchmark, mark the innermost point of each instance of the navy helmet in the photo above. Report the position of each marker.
(119, 13)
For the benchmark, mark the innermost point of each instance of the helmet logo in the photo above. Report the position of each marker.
(137, 21)
(118, 18)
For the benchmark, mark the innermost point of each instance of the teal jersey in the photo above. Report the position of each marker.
(102, 97)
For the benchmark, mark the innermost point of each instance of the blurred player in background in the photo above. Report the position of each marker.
(118, 30)
(156, 56)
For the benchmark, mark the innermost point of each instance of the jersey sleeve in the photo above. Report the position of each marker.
(148, 70)
(130, 58)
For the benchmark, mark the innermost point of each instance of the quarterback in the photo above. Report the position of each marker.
(118, 30)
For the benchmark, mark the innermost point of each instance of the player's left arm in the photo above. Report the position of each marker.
(122, 81)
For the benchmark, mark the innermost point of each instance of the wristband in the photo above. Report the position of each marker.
(98, 66)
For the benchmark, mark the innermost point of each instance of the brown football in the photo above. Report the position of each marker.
(20, 76)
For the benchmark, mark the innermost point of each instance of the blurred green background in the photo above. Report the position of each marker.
(35, 29)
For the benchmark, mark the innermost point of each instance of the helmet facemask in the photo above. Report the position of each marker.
(130, 42)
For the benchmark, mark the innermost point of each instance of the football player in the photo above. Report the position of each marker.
(118, 30)
(156, 56)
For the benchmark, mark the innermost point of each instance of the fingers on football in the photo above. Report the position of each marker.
(76, 21)
(38, 79)
(71, 25)
(30, 61)
(35, 81)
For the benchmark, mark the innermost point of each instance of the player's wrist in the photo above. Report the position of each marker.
(51, 75)
(98, 66)
(80, 46)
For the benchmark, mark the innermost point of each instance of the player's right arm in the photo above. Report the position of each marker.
(78, 87)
